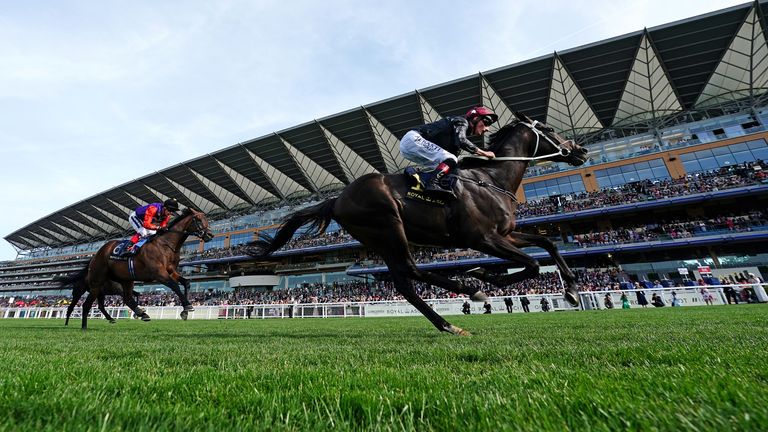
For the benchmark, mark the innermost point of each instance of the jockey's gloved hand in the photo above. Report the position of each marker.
(162, 230)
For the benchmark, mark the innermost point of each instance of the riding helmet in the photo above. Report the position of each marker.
(171, 204)
(483, 112)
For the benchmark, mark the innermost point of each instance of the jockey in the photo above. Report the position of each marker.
(149, 219)
(436, 145)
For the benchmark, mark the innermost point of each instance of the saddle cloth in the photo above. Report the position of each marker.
(120, 251)
(417, 192)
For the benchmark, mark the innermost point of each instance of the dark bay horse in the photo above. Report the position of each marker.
(157, 261)
(373, 209)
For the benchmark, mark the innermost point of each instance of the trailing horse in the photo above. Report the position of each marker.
(157, 261)
(375, 210)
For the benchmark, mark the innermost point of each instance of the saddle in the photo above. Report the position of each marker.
(416, 179)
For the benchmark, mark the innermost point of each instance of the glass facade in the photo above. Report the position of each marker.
(704, 160)
(238, 239)
(649, 170)
(215, 243)
(557, 186)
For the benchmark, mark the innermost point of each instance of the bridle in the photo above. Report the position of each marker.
(196, 228)
(561, 151)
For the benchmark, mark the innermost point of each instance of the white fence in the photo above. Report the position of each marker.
(590, 300)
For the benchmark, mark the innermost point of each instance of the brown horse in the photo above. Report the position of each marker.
(375, 211)
(157, 261)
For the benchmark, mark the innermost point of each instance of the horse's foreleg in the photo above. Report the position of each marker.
(183, 281)
(571, 287)
(174, 286)
(501, 247)
(131, 300)
(508, 248)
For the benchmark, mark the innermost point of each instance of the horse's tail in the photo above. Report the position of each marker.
(72, 280)
(318, 217)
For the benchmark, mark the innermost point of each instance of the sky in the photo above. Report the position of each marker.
(94, 94)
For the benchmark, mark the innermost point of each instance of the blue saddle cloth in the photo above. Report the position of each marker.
(120, 252)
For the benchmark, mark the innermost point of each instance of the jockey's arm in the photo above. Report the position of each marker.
(461, 126)
(466, 144)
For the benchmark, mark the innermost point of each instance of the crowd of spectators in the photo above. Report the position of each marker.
(647, 190)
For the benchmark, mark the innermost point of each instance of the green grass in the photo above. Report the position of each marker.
(657, 369)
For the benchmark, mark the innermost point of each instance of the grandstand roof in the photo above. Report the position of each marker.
(688, 65)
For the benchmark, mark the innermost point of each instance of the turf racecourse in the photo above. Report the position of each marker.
(700, 368)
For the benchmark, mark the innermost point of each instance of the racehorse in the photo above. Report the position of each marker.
(156, 261)
(375, 211)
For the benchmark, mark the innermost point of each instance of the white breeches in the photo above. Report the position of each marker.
(422, 152)
(138, 226)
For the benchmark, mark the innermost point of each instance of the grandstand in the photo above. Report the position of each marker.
(675, 118)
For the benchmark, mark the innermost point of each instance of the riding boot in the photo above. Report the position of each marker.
(130, 250)
(434, 185)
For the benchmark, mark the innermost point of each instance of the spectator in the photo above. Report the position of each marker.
(487, 307)
(509, 304)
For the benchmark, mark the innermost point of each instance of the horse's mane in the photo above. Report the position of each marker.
(184, 213)
(501, 135)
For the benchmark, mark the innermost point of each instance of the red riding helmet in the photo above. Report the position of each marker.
(486, 114)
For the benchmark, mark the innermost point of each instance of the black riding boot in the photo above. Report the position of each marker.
(433, 184)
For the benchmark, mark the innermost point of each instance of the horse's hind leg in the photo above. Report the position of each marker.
(103, 309)
(87, 309)
(402, 268)
(77, 292)
(405, 287)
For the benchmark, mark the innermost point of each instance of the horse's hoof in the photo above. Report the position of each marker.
(478, 297)
(184, 315)
(572, 298)
(145, 318)
(458, 331)
(112, 321)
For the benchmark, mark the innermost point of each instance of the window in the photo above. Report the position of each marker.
(705, 160)
(238, 239)
(215, 243)
(557, 186)
(617, 176)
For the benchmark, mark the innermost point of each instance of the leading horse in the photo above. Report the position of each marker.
(156, 261)
(375, 211)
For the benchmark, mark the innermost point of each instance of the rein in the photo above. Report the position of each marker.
(532, 126)
(490, 186)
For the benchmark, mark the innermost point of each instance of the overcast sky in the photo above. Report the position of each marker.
(94, 94)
